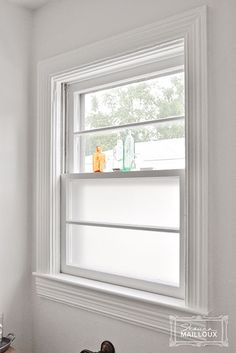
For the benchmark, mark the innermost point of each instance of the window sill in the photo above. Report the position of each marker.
(133, 306)
(130, 174)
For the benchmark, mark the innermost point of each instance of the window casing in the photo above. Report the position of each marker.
(136, 307)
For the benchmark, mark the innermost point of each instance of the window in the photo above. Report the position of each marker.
(121, 226)
(67, 85)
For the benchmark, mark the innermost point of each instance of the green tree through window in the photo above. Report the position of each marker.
(148, 100)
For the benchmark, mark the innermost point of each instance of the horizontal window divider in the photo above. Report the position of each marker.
(130, 125)
(132, 174)
(125, 226)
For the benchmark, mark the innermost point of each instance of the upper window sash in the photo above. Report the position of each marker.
(76, 124)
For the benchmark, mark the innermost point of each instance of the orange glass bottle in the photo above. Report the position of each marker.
(99, 160)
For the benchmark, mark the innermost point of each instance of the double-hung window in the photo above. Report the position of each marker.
(104, 239)
(127, 227)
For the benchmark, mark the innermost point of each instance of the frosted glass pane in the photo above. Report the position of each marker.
(138, 201)
(149, 256)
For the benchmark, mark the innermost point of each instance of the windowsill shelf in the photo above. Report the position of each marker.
(131, 174)
(72, 290)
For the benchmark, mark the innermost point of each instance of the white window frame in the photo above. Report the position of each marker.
(130, 305)
(156, 62)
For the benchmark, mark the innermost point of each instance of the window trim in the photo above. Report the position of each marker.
(130, 306)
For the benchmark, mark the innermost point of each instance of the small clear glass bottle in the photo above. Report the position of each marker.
(118, 153)
(129, 152)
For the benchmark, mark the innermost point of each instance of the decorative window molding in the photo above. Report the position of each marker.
(133, 306)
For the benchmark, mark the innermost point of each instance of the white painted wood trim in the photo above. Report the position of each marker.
(119, 50)
(127, 305)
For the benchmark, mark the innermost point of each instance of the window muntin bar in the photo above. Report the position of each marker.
(131, 125)
(125, 226)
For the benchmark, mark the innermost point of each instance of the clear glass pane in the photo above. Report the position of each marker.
(144, 100)
(137, 201)
(159, 146)
(149, 256)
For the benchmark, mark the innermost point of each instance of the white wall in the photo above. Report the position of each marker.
(69, 24)
(15, 245)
